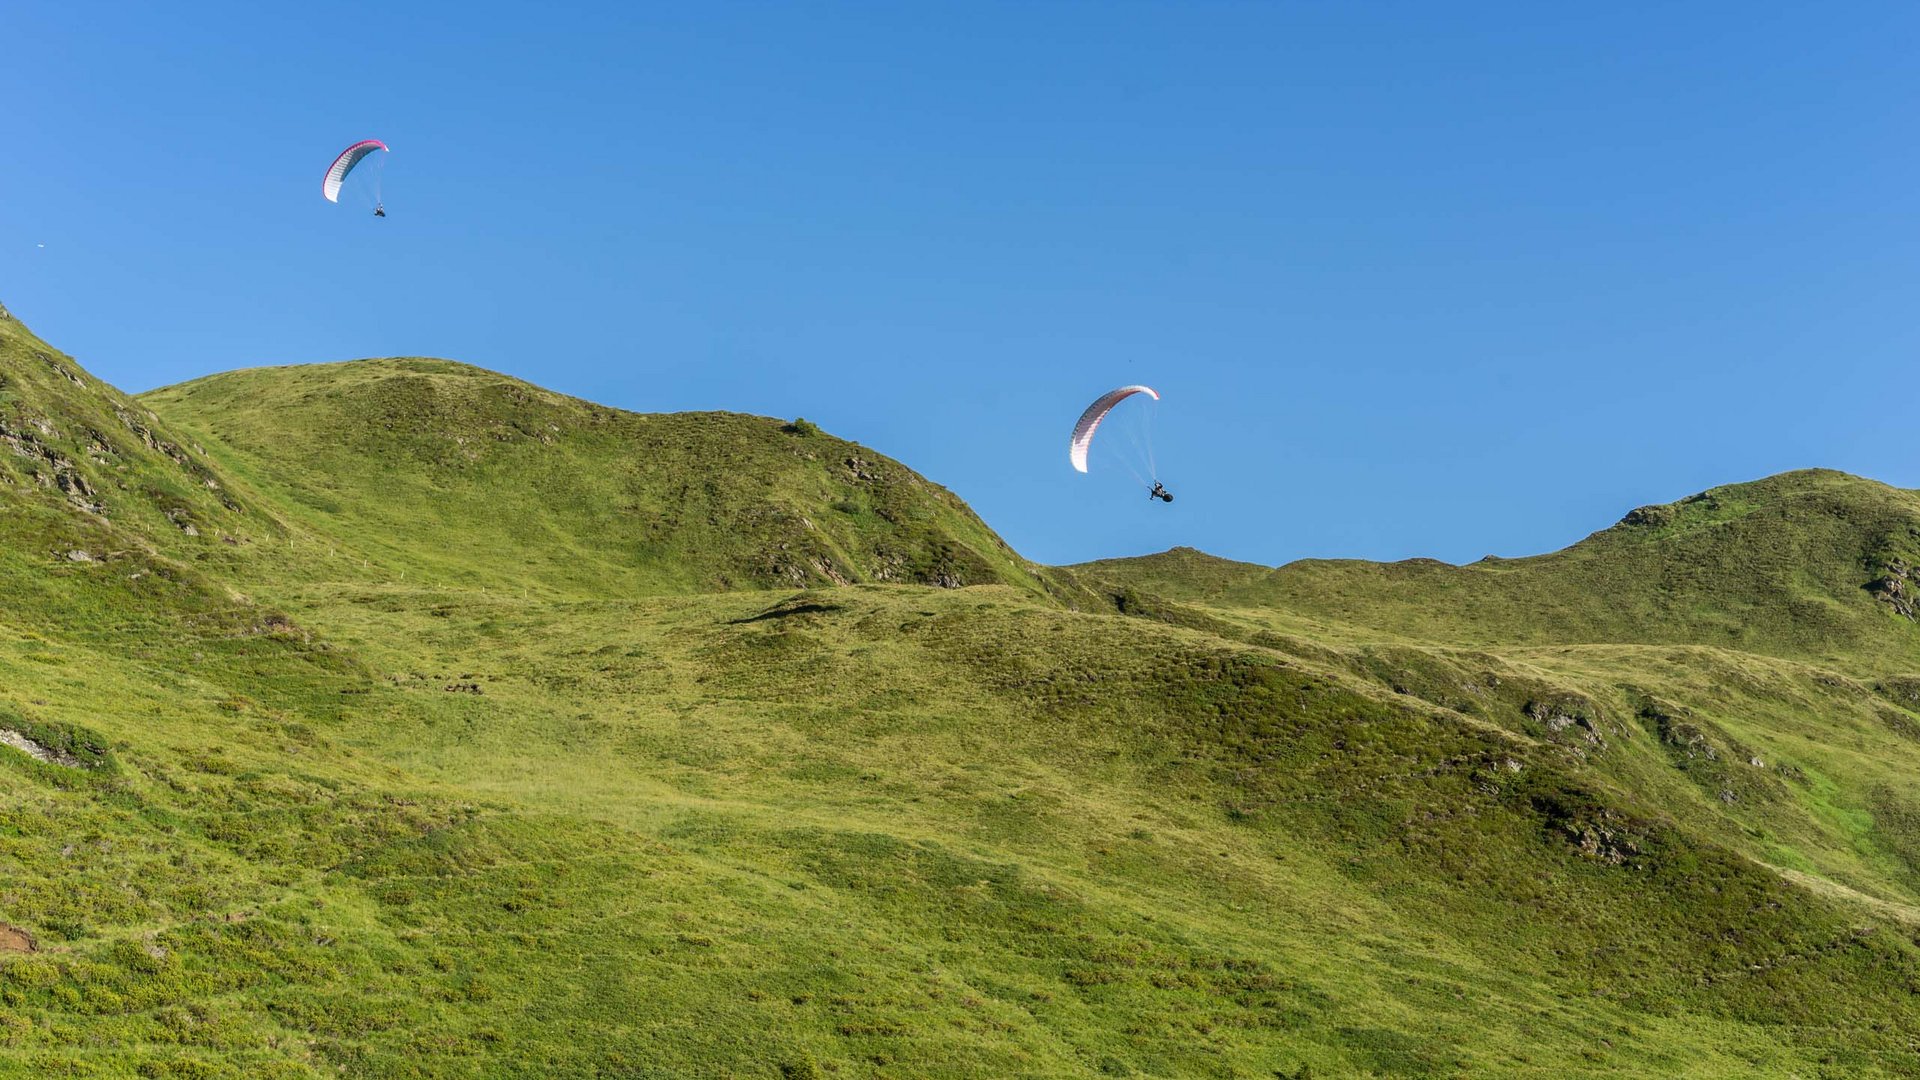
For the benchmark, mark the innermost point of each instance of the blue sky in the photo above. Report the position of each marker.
(1413, 279)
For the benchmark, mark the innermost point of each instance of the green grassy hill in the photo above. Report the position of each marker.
(1806, 564)
(473, 731)
(462, 477)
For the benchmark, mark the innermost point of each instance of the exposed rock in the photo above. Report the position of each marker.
(1688, 739)
(154, 442)
(1897, 589)
(1603, 835)
(1903, 689)
(76, 555)
(60, 369)
(887, 566)
(1720, 764)
(74, 484)
(1650, 516)
(1568, 718)
(51, 470)
(33, 749)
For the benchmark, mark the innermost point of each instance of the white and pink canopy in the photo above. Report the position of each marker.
(342, 165)
(1083, 428)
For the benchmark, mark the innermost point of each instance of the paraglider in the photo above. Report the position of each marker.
(349, 158)
(1140, 462)
(1089, 421)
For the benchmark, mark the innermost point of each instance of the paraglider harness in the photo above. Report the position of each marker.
(1160, 492)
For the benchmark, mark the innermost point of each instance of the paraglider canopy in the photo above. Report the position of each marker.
(342, 165)
(1089, 421)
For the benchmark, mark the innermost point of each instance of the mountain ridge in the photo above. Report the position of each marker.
(477, 731)
(636, 497)
(1795, 564)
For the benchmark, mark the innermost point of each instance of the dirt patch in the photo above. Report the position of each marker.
(13, 939)
(10, 737)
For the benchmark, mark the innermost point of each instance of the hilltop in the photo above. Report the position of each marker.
(467, 477)
(1813, 564)
(404, 719)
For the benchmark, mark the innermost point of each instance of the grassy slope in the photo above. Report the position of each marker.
(461, 477)
(452, 764)
(1779, 566)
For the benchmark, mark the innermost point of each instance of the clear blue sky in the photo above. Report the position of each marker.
(1414, 279)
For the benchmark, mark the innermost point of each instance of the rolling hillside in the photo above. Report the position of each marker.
(464, 477)
(1813, 564)
(475, 731)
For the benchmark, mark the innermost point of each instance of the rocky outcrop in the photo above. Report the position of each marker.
(58, 368)
(48, 468)
(38, 751)
(1650, 516)
(1896, 588)
(1594, 831)
(1721, 765)
(1603, 840)
(1567, 718)
(1903, 690)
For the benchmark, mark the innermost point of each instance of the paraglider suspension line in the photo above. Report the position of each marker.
(1139, 428)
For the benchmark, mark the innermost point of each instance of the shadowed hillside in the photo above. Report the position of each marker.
(399, 719)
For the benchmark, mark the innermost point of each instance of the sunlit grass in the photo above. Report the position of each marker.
(476, 732)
